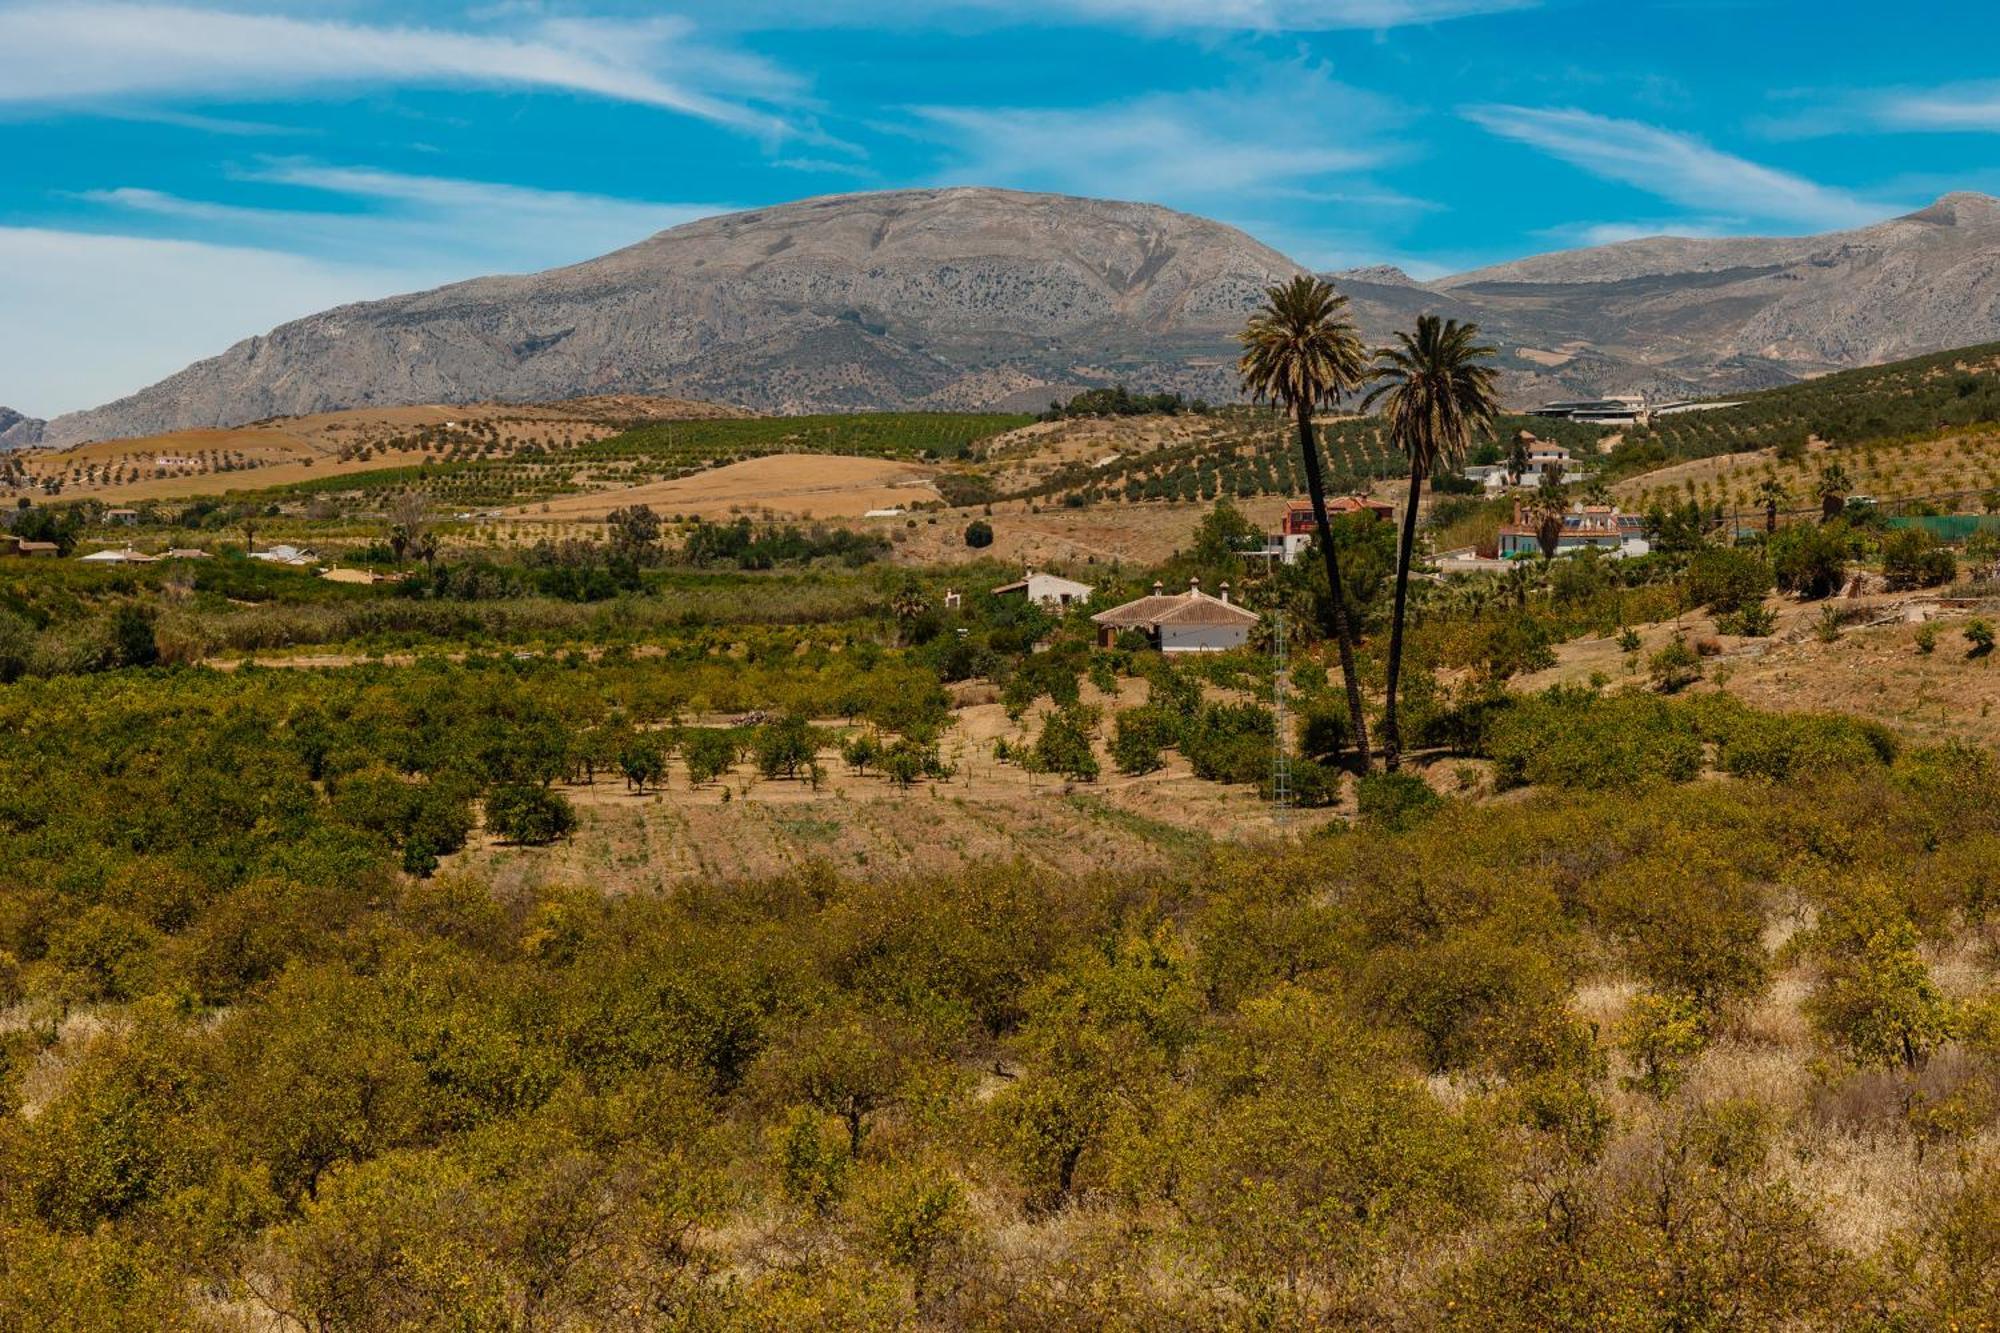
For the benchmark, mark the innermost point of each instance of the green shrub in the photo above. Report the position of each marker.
(1230, 742)
(1810, 559)
(1724, 579)
(1675, 667)
(1397, 801)
(1323, 728)
(978, 534)
(1576, 738)
(709, 753)
(785, 747)
(643, 760)
(1782, 746)
(1065, 743)
(1138, 737)
(531, 816)
(1912, 558)
(1979, 634)
(1753, 620)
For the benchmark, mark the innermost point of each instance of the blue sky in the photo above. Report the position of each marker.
(174, 177)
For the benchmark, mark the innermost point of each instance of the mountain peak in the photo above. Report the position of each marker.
(1381, 275)
(18, 430)
(1961, 208)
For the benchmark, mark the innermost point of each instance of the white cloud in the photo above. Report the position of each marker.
(459, 227)
(1192, 15)
(1964, 107)
(1677, 167)
(84, 318)
(1282, 15)
(1295, 128)
(79, 53)
(87, 317)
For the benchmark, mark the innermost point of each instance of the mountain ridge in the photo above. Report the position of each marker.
(969, 297)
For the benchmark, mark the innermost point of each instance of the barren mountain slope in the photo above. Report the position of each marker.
(940, 297)
(1735, 314)
(967, 298)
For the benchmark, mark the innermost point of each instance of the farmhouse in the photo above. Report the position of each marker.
(1543, 456)
(1046, 590)
(1189, 622)
(27, 550)
(121, 517)
(1601, 526)
(125, 556)
(285, 555)
(1296, 528)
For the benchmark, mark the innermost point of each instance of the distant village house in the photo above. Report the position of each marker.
(1297, 528)
(1046, 590)
(1189, 622)
(1602, 527)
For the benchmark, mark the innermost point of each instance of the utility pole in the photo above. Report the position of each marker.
(1281, 757)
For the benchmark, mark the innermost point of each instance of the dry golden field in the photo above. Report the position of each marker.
(784, 486)
(1955, 463)
(190, 463)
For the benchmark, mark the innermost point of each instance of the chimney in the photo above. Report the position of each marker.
(1194, 584)
(1158, 587)
(1225, 592)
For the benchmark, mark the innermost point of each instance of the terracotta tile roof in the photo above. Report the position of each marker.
(1193, 607)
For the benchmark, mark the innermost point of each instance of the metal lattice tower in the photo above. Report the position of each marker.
(1281, 756)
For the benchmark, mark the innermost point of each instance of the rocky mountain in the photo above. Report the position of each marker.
(1691, 315)
(18, 431)
(948, 298)
(964, 298)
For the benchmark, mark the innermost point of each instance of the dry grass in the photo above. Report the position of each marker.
(294, 449)
(1967, 461)
(785, 486)
(1872, 670)
(746, 827)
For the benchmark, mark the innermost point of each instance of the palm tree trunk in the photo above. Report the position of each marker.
(1343, 635)
(1392, 728)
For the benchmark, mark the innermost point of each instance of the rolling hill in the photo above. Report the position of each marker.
(974, 298)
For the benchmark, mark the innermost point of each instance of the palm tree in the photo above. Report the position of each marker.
(1518, 458)
(1833, 485)
(1770, 494)
(1301, 352)
(1551, 502)
(1436, 395)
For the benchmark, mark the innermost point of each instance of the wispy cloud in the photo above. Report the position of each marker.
(1677, 167)
(432, 223)
(1282, 15)
(88, 315)
(1293, 130)
(1191, 15)
(1964, 107)
(77, 53)
(85, 317)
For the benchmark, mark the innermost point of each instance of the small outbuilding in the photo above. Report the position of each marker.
(1188, 622)
(1046, 590)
